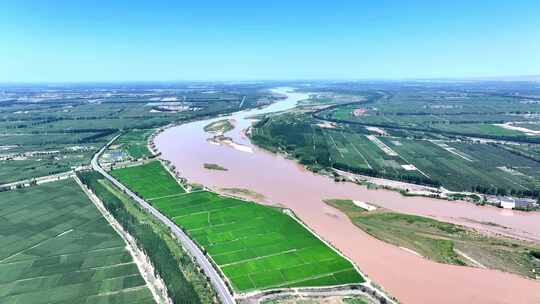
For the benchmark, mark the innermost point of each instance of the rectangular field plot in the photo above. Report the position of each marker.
(55, 247)
(150, 180)
(257, 247)
(358, 151)
(462, 166)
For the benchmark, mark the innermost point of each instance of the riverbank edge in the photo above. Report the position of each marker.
(369, 286)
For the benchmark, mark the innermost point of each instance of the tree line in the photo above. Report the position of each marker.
(166, 264)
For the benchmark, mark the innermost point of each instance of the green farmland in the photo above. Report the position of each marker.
(184, 281)
(321, 148)
(150, 180)
(469, 166)
(134, 143)
(63, 131)
(256, 247)
(55, 247)
(458, 165)
(446, 112)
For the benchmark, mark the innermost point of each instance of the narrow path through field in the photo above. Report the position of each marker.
(35, 245)
(357, 151)
(475, 262)
(333, 141)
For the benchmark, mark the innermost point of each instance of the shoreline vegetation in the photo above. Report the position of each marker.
(244, 193)
(336, 299)
(444, 242)
(219, 127)
(215, 167)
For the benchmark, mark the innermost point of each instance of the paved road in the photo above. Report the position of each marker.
(215, 279)
(41, 179)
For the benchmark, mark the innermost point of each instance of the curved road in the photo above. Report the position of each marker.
(215, 279)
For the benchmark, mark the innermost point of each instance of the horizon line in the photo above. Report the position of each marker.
(510, 78)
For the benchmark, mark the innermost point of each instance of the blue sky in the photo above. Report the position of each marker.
(118, 40)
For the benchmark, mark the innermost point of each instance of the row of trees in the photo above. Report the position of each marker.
(504, 191)
(166, 264)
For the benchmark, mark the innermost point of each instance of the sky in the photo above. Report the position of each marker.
(117, 40)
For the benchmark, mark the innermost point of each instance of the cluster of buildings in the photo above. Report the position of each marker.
(508, 202)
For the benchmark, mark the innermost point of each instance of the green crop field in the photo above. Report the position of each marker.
(459, 165)
(341, 148)
(470, 165)
(150, 180)
(55, 247)
(184, 281)
(446, 112)
(256, 247)
(356, 150)
(134, 143)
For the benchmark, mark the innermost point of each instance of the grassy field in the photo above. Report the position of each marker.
(220, 126)
(442, 242)
(57, 248)
(256, 247)
(134, 143)
(150, 180)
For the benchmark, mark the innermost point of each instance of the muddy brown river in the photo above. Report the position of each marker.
(408, 277)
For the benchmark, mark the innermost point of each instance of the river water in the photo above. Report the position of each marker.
(410, 278)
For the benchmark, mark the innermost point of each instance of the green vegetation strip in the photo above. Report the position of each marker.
(134, 142)
(318, 299)
(458, 166)
(55, 247)
(439, 241)
(220, 126)
(319, 149)
(149, 181)
(256, 247)
(214, 167)
(184, 282)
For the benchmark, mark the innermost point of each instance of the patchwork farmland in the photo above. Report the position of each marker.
(457, 165)
(462, 165)
(55, 247)
(149, 181)
(134, 143)
(256, 247)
